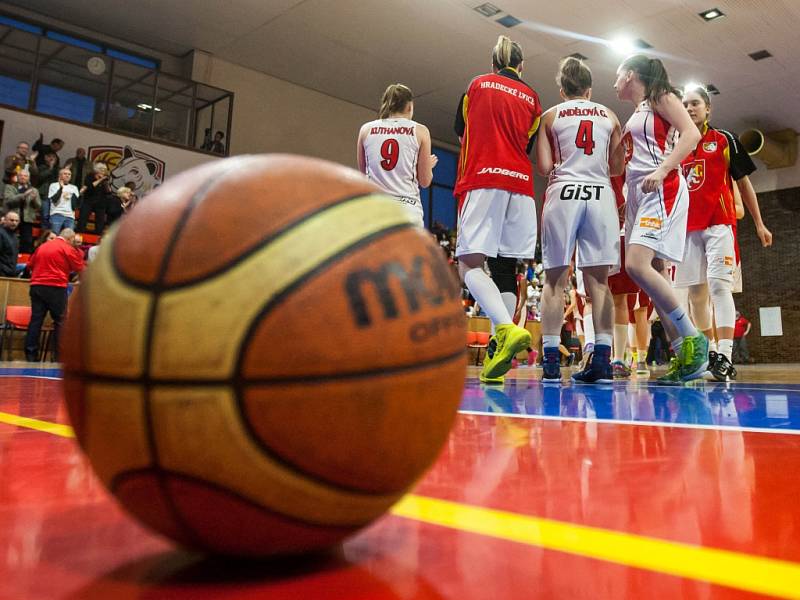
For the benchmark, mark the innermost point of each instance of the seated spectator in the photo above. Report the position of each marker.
(9, 245)
(62, 197)
(42, 149)
(21, 159)
(127, 198)
(92, 253)
(24, 199)
(96, 192)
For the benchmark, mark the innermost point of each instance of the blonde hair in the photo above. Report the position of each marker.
(506, 53)
(574, 77)
(394, 100)
(100, 167)
(123, 190)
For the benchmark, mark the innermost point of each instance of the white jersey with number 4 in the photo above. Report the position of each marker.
(581, 137)
(391, 149)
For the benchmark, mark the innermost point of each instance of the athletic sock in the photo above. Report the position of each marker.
(620, 341)
(551, 341)
(682, 323)
(510, 302)
(603, 339)
(676, 345)
(488, 296)
(712, 345)
(726, 348)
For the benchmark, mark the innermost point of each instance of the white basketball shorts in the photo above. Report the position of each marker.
(657, 219)
(709, 253)
(497, 223)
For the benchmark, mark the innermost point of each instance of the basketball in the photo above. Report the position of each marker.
(264, 357)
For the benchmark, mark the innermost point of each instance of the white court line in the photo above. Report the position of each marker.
(31, 376)
(628, 422)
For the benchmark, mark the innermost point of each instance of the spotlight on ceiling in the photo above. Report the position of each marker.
(711, 14)
(627, 46)
(487, 10)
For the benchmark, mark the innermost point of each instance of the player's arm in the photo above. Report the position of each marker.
(544, 149)
(737, 201)
(425, 160)
(750, 200)
(616, 151)
(740, 166)
(360, 156)
(671, 108)
(460, 125)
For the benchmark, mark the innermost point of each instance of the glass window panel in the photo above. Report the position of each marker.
(211, 116)
(66, 88)
(443, 209)
(17, 59)
(20, 25)
(68, 39)
(131, 58)
(131, 99)
(173, 109)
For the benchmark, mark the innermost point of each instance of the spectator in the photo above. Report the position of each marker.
(78, 164)
(50, 267)
(62, 197)
(42, 149)
(48, 174)
(741, 354)
(91, 254)
(127, 198)
(26, 200)
(216, 144)
(9, 246)
(96, 193)
(20, 159)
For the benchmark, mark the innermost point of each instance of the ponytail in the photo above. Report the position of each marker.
(653, 75)
(574, 77)
(506, 53)
(394, 100)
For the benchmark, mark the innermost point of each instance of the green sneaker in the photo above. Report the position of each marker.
(673, 374)
(492, 380)
(694, 355)
(510, 340)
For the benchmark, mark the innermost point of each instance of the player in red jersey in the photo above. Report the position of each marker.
(657, 202)
(716, 165)
(496, 120)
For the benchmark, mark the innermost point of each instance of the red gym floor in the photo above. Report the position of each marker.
(627, 492)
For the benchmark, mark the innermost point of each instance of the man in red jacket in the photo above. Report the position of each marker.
(51, 266)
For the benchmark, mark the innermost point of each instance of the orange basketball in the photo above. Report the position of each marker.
(264, 356)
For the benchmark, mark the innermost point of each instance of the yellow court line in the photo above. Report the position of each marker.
(721, 567)
(46, 426)
(732, 569)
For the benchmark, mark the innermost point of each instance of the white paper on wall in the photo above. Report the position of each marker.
(770, 317)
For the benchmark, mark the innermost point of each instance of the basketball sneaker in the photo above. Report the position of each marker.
(673, 374)
(598, 369)
(620, 370)
(694, 356)
(510, 340)
(551, 367)
(491, 347)
(721, 369)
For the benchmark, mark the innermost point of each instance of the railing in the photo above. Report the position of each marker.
(61, 76)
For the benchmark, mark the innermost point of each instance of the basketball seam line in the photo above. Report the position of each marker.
(247, 253)
(156, 290)
(248, 383)
(122, 477)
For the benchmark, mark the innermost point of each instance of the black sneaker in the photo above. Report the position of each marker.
(722, 369)
(598, 368)
(551, 367)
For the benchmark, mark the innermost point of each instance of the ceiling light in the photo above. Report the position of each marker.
(712, 89)
(711, 14)
(144, 106)
(760, 55)
(579, 56)
(641, 44)
(509, 21)
(692, 86)
(487, 10)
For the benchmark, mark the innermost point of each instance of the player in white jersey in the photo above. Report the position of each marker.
(658, 201)
(395, 152)
(579, 139)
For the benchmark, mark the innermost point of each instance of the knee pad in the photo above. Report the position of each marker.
(722, 297)
(504, 273)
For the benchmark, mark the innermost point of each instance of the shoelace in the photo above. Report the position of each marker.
(674, 365)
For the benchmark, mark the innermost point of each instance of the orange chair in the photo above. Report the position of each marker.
(478, 340)
(17, 319)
